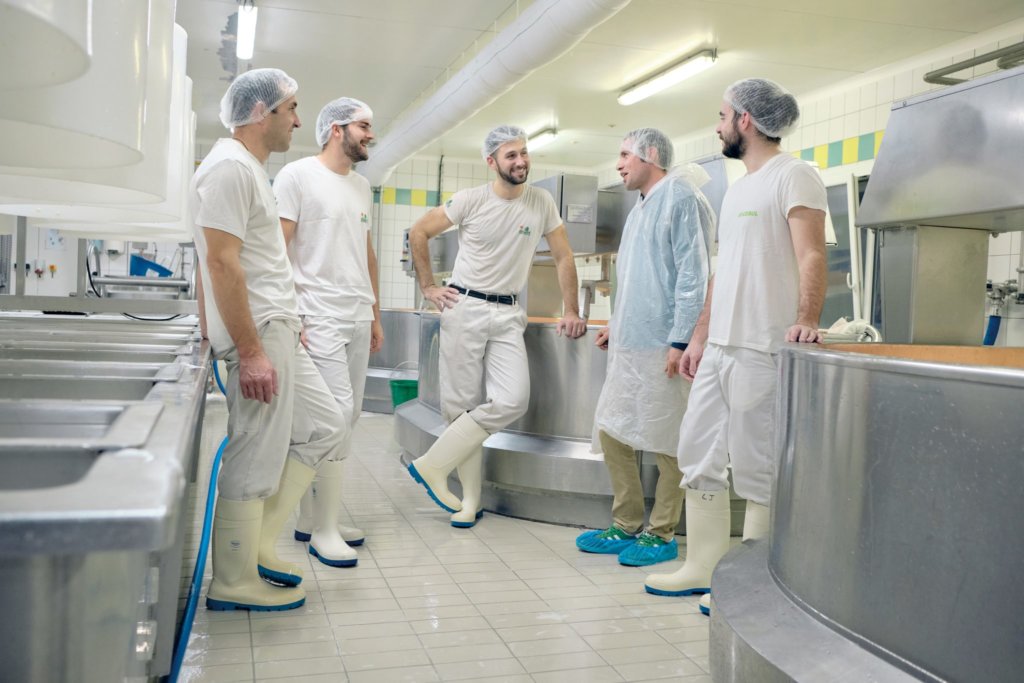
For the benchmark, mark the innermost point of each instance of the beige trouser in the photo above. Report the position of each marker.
(303, 421)
(628, 503)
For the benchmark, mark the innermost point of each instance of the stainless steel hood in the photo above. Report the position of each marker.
(953, 158)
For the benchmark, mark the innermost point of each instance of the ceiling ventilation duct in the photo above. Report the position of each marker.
(546, 30)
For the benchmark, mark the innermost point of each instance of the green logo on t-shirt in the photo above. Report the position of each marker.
(752, 214)
(448, 203)
(524, 230)
(363, 218)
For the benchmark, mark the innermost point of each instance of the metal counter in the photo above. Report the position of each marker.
(894, 548)
(92, 494)
(540, 467)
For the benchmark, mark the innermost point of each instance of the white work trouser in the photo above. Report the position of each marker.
(483, 364)
(730, 418)
(302, 422)
(340, 349)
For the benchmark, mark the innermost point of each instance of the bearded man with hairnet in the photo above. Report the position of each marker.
(325, 209)
(282, 420)
(482, 325)
(662, 272)
(768, 289)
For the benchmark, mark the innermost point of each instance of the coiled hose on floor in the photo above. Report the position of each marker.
(181, 643)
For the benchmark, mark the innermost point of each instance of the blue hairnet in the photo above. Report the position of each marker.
(341, 111)
(772, 107)
(253, 95)
(499, 136)
(645, 138)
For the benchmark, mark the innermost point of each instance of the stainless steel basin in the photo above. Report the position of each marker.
(73, 345)
(160, 372)
(65, 424)
(185, 326)
(28, 470)
(118, 336)
(79, 388)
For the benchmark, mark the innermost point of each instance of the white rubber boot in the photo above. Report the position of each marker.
(756, 521)
(326, 543)
(457, 443)
(236, 583)
(705, 604)
(471, 478)
(295, 479)
(304, 521)
(707, 539)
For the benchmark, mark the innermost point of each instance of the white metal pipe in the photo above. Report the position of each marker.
(546, 30)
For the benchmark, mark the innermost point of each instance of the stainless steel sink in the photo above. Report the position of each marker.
(176, 347)
(68, 353)
(62, 424)
(160, 372)
(79, 388)
(28, 470)
(185, 327)
(118, 336)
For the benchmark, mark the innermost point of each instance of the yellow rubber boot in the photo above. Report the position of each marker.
(295, 479)
(707, 540)
(455, 445)
(471, 477)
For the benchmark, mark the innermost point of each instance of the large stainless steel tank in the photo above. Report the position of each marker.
(894, 550)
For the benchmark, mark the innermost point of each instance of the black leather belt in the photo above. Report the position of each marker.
(507, 299)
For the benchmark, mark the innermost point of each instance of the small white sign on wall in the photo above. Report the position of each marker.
(55, 240)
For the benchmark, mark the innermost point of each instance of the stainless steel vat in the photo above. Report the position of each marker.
(893, 550)
(541, 467)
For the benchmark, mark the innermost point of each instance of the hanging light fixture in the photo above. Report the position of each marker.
(541, 138)
(246, 37)
(671, 75)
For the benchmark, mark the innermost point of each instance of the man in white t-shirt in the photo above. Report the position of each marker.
(282, 420)
(482, 324)
(768, 288)
(325, 214)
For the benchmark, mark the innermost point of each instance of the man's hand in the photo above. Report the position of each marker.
(690, 360)
(257, 378)
(573, 326)
(304, 338)
(442, 297)
(805, 334)
(672, 362)
(376, 336)
(601, 341)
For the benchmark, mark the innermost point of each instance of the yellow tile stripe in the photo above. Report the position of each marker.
(850, 146)
(419, 197)
(388, 196)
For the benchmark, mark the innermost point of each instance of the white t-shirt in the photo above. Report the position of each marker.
(230, 191)
(328, 251)
(498, 237)
(757, 282)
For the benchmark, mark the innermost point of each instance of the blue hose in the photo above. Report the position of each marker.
(992, 330)
(197, 574)
(216, 376)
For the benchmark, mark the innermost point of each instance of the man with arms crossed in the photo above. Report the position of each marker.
(282, 420)
(662, 272)
(482, 325)
(325, 214)
(768, 289)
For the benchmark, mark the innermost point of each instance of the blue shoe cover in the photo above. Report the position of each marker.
(641, 554)
(279, 578)
(610, 541)
(224, 605)
(416, 475)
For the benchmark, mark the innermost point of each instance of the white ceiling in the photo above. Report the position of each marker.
(387, 52)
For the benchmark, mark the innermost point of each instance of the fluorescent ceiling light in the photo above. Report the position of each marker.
(246, 31)
(541, 138)
(669, 76)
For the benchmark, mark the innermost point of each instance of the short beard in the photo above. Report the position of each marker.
(352, 150)
(735, 149)
(511, 180)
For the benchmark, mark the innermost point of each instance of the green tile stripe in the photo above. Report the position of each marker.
(403, 196)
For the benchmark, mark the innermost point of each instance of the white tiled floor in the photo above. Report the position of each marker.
(508, 600)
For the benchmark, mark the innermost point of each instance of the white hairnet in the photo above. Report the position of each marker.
(645, 138)
(773, 109)
(341, 111)
(252, 96)
(499, 136)
(694, 173)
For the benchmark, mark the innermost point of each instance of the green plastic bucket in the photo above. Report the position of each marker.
(403, 390)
